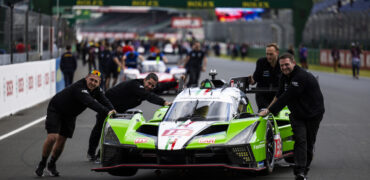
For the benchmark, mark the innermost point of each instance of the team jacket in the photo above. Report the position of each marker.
(265, 75)
(130, 94)
(195, 59)
(301, 93)
(68, 62)
(74, 99)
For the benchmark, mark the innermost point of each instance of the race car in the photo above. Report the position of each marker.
(211, 126)
(165, 74)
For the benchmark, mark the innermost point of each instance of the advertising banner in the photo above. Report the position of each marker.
(345, 58)
(26, 84)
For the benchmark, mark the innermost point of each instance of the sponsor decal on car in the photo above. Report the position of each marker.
(141, 140)
(259, 146)
(207, 140)
(260, 164)
(177, 132)
(278, 146)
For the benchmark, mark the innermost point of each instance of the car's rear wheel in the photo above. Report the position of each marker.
(123, 172)
(270, 150)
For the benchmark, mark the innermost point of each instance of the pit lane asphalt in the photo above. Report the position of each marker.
(341, 148)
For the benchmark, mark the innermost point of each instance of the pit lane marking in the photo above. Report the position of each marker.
(22, 128)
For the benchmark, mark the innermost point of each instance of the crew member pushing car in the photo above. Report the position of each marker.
(300, 91)
(266, 75)
(124, 96)
(62, 111)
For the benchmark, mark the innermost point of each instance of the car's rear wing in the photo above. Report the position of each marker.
(243, 84)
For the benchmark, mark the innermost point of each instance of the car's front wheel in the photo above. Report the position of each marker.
(270, 150)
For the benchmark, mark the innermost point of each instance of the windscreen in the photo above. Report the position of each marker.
(199, 111)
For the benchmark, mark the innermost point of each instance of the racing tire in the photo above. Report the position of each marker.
(123, 172)
(270, 150)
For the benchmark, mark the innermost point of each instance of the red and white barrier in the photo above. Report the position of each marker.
(26, 84)
(345, 58)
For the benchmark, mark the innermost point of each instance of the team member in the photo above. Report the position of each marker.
(130, 59)
(267, 75)
(157, 55)
(113, 65)
(68, 65)
(300, 91)
(195, 62)
(356, 61)
(91, 58)
(303, 54)
(62, 111)
(105, 57)
(124, 96)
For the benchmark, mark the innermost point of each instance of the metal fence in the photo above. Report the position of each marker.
(41, 36)
(338, 29)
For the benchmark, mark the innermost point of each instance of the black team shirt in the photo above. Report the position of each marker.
(130, 94)
(301, 92)
(74, 99)
(265, 75)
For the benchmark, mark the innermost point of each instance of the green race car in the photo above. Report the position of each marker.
(211, 126)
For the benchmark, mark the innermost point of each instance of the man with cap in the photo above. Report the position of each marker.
(62, 111)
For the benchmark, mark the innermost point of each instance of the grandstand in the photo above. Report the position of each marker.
(138, 22)
(328, 6)
(330, 26)
(359, 5)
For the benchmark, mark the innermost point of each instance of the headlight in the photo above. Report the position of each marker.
(244, 136)
(109, 136)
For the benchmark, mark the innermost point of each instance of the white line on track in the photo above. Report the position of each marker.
(22, 128)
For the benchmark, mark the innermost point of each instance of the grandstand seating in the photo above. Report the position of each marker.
(332, 6)
(359, 5)
(323, 6)
(130, 22)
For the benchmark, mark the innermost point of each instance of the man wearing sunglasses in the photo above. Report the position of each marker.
(124, 96)
(62, 111)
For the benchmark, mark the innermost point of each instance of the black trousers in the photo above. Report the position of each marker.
(68, 78)
(96, 131)
(305, 131)
(355, 69)
(95, 134)
(193, 74)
